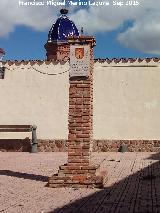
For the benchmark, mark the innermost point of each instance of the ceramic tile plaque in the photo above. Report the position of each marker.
(79, 60)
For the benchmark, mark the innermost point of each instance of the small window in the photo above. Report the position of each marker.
(2, 72)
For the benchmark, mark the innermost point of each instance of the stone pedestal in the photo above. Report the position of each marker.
(79, 172)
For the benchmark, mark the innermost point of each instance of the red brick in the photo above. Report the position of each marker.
(72, 90)
(72, 131)
(86, 153)
(85, 161)
(86, 102)
(86, 146)
(71, 103)
(86, 132)
(83, 85)
(77, 114)
(72, 160)
(78, 132)
(74, 153)
(89, 167)
(80, 178)
(86, 125)
(79, 120)
(79, 105)
(75, 125)
(79, 129)
(76, 95)
(72, 85)
(71, 136)
(75, 149)
(80, 171)
(73, 146)
(87, 107)
(86, 128)
(87, 140)
(87, 99)
(82, 135)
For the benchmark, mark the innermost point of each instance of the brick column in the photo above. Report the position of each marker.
(57, 51)
(79, 172)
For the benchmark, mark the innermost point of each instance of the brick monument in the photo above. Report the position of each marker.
(78, 172)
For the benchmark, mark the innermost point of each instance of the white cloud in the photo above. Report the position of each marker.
(100, 19)
(12, 15)
(144, 35)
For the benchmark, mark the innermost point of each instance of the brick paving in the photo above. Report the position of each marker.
(133, 184)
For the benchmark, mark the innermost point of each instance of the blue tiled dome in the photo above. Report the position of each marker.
(62, 28)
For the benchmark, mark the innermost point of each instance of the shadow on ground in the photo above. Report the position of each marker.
(18, 145)
(138, 193)
(24, 175)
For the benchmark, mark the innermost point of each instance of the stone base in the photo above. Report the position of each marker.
(78, 177)
(61, 145)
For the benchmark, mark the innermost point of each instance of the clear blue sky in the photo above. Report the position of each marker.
(25, 43)
(119, 33)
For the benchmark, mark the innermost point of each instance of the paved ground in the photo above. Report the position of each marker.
(133, 184)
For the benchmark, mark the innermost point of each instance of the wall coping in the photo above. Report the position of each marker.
(131, 62)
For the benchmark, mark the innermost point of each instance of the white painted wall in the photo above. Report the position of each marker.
(126, 100)
(28, 97)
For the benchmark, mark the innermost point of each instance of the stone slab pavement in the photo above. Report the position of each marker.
(133, 184)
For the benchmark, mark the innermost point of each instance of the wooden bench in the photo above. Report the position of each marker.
(23, 128)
